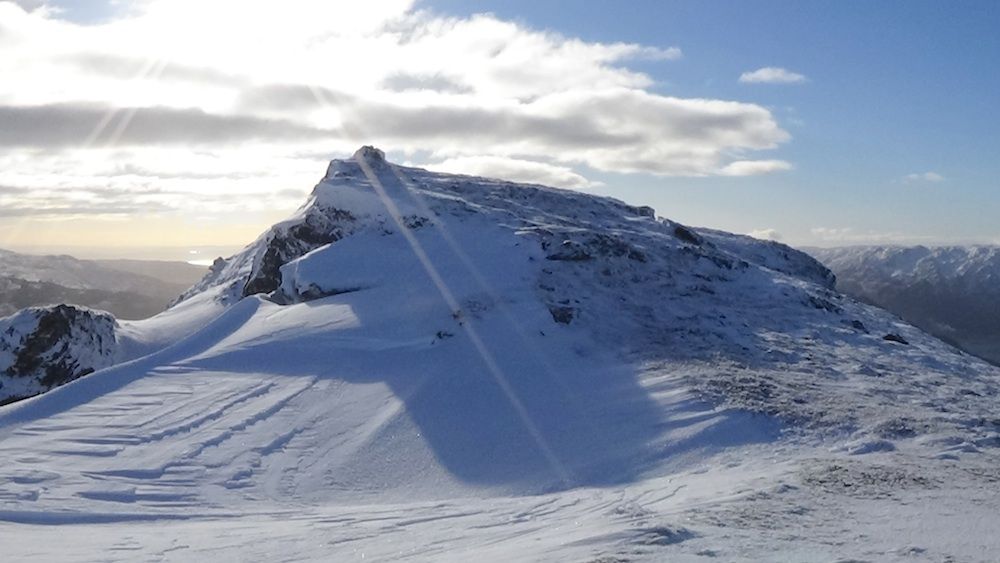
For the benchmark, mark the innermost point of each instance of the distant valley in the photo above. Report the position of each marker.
(951, 292)
(129, 289)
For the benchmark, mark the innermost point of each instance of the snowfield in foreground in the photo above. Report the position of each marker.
(429, 367)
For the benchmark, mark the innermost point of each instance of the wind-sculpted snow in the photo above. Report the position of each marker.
(433, 367)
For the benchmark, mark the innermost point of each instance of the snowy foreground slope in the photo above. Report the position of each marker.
(428, 367)
(952, 292)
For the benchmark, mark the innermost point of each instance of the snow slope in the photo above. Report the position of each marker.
(952, 292)
(428, 367)
(44, 347)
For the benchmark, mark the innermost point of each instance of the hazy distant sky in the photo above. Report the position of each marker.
(183, 122)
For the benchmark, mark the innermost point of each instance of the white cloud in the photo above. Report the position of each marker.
(97, 182)
(514, 169)
(832, 233)
(848, 235)
(932, 177)
(658, 54)
(771, 75)
(765, 234)
(754, 167)
(477, 94)
(29, 5)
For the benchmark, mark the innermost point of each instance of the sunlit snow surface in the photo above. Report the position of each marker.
(710, 398)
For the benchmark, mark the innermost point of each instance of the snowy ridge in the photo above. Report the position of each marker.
(345, 201)
(421, 366)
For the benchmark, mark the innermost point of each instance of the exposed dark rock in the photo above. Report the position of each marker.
(687, 235)
(723, 262)
(562, 315)
(570, 251)
(607, 245)
(893, 337)
(646, 211)
(293, 242)
(594, 246)
(314, 292)
(824, 304)
(415, 221)
(68, 342)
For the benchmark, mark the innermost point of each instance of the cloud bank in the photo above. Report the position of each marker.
(174, 94)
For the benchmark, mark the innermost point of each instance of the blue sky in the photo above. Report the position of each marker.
(890, 137)
(894, 88)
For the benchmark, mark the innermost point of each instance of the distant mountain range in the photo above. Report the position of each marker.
(129, 289)
(952, 292)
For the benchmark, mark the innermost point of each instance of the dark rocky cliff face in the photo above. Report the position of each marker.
(41, 348)
(285, 245)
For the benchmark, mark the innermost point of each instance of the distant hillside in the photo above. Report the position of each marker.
(952, 292)
(167, 271)
(130, 289)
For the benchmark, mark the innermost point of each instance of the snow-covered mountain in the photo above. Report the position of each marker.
(430, 367)
(130, 289)
(952, 292)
